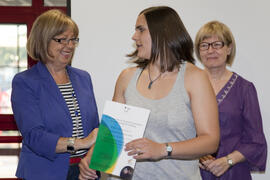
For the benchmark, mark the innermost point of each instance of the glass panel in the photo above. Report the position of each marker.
(13, 59)
(15, 2)
(8, 166)
(59, 3)
(9, 155)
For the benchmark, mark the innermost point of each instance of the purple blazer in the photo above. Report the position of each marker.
(42, 116)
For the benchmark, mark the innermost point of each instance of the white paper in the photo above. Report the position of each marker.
(120, 124)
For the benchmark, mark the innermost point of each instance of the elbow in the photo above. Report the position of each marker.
(215, 147)
(214, 144)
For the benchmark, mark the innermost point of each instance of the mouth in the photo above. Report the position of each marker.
(212, 58)
(138, 45)
(67, 54)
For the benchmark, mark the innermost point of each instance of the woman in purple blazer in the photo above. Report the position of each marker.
(242, 146)
(53, 103)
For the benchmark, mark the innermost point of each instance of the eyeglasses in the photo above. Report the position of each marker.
(215, 45)
(65, 41)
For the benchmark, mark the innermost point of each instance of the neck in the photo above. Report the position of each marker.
(154, 69)
(55, 69)
(59, 74)
(217, 74)
(151, 79)
(218, 78)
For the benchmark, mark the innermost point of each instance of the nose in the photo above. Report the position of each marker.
(70, 44)
(134, 37)
(210, 49)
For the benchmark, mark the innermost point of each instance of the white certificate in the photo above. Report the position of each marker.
(120, 124)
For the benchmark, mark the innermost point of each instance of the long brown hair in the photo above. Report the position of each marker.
(171, 42)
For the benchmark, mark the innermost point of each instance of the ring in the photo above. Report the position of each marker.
(139, 152)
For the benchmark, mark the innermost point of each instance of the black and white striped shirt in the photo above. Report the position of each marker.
(74, 109)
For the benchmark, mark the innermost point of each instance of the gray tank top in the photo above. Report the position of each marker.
(170, 120)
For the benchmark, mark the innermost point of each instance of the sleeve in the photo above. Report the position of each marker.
(25, 105)
(253, 144)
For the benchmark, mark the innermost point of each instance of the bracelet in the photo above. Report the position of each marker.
(229, 161)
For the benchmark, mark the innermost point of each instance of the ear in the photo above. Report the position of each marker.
(229, 50)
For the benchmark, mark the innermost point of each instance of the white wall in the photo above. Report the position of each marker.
(106, 28)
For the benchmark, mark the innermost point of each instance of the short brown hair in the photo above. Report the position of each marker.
(49, 24)
(170, 40)
(222, 32)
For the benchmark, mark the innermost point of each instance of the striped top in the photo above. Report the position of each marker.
(74, 109)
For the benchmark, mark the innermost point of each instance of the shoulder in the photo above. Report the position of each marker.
(79, 75)
(196, 81)
(122, 84)
(129, 71)
(78, 72)
(244, 82)
(244, 86)
(26, 82)
(194, 75)
(126, 75)
(28, 76)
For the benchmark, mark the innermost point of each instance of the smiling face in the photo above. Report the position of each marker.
(142, 38)
(214, 58)
(61, 54)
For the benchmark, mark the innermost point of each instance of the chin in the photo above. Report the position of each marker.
(213, 66)
(66, 61)
(143, 57)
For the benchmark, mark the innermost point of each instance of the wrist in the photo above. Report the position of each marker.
(167, 150)
(229, 161)
(163, 151)
(71, 145)
(79, 144)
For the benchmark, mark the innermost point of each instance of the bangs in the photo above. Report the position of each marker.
(208, 33)
(66, 25)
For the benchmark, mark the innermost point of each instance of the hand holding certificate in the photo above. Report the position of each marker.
(120, 124)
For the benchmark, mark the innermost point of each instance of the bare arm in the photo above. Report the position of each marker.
(205, 114)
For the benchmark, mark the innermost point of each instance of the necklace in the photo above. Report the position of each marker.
(76, 109)
(152, 81)
(76, 113)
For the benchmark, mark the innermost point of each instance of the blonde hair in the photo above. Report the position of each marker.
(216, 28)
(48, 25)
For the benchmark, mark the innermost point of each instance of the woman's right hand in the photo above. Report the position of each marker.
(85, 172)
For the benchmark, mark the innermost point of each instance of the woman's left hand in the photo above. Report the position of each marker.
(144, 148)
(90, 140)
(218, 166)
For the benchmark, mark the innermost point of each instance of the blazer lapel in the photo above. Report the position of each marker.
(51, 87)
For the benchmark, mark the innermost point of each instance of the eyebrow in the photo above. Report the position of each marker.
(139, 27)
